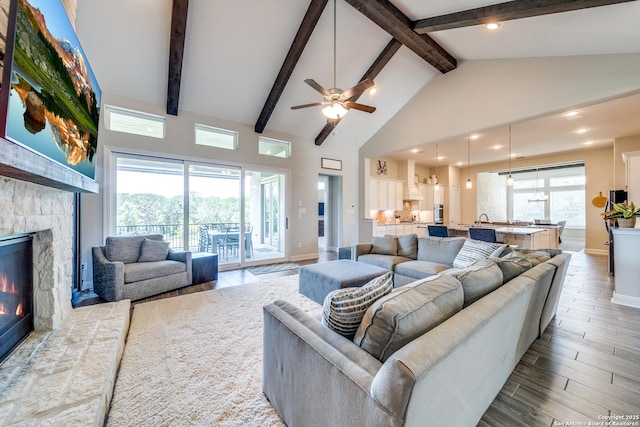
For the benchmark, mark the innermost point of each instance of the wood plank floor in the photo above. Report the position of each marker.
(586, 366)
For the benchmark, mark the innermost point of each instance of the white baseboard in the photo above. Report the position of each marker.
(625, 300)
(304, 257)
(596, 251)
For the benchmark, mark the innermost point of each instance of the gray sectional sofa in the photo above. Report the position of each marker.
(412, 258)
(409, 364)
(136, 267)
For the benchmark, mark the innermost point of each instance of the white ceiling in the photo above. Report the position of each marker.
(234, 50)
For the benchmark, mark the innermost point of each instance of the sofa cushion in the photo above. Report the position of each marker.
(408, 246)
(126, 249)
(153, 250)
(137, 271)
(420, 269)
(387, 262)
(512, 266)
(406, 313)
(536, 256)
(387, 245)
(479, 279)
(343, 309)
(474, 250)
(442, 250)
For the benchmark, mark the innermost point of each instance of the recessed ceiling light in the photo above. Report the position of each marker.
(589, 143)
(414, 150)
(474, 136)
(582, 130)
(373, 91)
(493, 26)
(572, 113)
(459, 164)
(440, 157)
(497, 147)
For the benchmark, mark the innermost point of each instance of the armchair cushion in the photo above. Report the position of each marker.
(136, 271)
(478, 279)
(153, 250)
(126, 249)
(408, 246)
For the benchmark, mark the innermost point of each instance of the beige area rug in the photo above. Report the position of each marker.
(196, 360)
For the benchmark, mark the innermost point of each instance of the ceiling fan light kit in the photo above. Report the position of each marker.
(337, 101)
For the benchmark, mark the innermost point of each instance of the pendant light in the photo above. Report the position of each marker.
(510, 178)
(538, 197)
(435, 177)
(469, 184)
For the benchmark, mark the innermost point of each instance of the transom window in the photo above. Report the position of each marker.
(216, 137)
(274, 147)
(134, 122)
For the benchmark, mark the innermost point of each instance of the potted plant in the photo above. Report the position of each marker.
(623, 213)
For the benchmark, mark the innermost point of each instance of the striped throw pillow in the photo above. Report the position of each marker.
(343, 309)
(472, 251)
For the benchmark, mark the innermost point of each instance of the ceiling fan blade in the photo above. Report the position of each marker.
(313, 104)
(361, 107)
(314, 84)
(358, 89)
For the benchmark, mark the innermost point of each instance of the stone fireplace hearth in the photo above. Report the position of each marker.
(64, 372)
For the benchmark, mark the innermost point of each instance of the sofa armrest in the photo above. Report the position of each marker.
(360, 249)
(182, 256)
(303, 360)
(108, 276)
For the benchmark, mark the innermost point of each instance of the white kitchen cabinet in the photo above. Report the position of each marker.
(374, 196)
(385, 194)
(632, 175)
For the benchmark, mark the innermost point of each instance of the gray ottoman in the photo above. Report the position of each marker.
(317, 280)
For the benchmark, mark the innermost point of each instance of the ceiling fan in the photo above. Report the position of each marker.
(338, 102)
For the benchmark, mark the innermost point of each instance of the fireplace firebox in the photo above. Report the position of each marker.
(16, 291)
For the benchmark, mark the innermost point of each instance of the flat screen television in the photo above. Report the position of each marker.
(50, 99)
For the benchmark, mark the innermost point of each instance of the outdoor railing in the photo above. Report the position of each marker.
(173, 232)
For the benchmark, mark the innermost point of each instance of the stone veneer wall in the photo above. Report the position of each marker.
(48, 212)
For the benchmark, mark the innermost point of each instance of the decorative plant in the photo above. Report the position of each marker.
(622, 210)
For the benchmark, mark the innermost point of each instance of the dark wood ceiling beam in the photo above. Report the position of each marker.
(176, 53)
(381, 61)
(299, 42)
(393, 21)
(510, 10)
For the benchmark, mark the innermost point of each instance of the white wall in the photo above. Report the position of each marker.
(304, 167)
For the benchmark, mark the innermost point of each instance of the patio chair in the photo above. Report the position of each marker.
(204, 243)
(561, 224)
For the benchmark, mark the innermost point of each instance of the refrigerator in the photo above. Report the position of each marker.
(615, 196)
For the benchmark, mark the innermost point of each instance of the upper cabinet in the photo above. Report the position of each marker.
(431, 196)
(632, 175)
(385, 194)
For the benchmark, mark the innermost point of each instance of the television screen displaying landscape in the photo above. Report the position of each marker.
(54, 100)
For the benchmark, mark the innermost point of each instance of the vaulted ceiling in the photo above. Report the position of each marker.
(247, 61)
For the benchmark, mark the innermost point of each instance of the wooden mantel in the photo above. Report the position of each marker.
(20, 163)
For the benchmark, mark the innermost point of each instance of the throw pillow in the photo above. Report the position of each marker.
(479, 279)
(343, 309)
(442, 250)
(387, 245)
(153, 250)
(512, 266)
(406, 313)
(408, 246)
(474, 250)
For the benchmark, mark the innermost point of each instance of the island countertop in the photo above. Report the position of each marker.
(501, 229)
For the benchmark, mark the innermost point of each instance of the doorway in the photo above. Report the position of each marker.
(329, 212)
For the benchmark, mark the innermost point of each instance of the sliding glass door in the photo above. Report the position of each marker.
(214, 211)
(201, 207)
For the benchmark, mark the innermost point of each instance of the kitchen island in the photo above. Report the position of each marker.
(527, 237)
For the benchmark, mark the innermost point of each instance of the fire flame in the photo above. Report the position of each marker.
(10, 289)
(4, 285)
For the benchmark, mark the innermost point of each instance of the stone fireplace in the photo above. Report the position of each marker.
(48, 214)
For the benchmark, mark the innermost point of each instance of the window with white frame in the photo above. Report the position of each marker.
(552, 193)
(274, 147)
(216, 137)
(119, 119)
